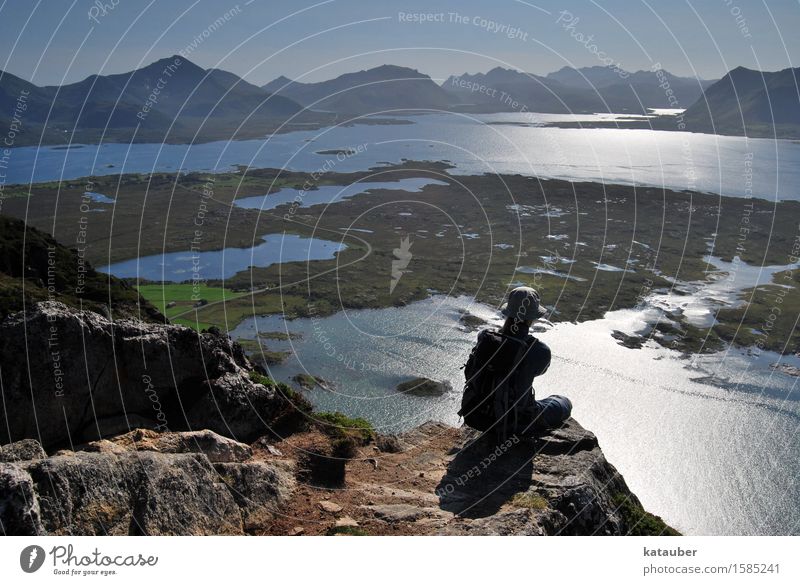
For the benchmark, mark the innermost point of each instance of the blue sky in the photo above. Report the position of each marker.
(50, 41)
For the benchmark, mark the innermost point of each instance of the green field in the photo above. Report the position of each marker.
(185, 296)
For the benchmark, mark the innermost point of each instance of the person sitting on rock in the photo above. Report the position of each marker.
(498, 394)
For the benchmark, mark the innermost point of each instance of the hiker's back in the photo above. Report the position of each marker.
(492, 375)
(498, 393)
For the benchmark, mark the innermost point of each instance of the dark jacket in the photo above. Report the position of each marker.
(533, 360)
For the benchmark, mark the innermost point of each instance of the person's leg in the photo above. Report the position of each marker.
(551, 412)
(554, 410)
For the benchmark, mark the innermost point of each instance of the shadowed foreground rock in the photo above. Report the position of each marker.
(435, 480)
(442, 480)
(560, 483)
(144, 483)
(72, 376)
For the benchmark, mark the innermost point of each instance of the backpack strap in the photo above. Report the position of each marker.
(502, 400)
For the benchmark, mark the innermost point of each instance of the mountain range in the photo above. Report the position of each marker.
(755, 103)
(569, 90)
(743, 101)
(171, 96)
(174, 100)
(387, 87)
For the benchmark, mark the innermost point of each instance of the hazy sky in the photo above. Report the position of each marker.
(55, 41)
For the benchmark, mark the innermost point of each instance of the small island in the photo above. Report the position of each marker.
(424, 387)
(337, 151)
(308, 381)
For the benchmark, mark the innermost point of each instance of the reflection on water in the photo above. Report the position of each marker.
(711, 447)
(219, 264)
(98, 197)
(475, 144)
(699, 301)
(328, 194)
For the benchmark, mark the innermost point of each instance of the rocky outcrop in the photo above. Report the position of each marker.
(438, 480)
(560, 483)
(448, 481)
(77, 383)
(73, 376)
(471, 322)
(787, 369)
(216, 448)
(25, 450)
(145, 483)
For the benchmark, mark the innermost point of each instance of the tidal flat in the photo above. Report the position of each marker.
(588, 247)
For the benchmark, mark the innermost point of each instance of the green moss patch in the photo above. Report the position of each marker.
(639, 521)
(529, 500)
(339, 426)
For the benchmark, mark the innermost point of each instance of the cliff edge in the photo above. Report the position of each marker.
(161, 430)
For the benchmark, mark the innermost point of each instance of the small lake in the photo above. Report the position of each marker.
(221, 264)
(709, 443)
(485, 143)
(329, 194)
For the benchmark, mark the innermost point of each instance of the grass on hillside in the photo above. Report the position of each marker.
(639, 521)
(185, 296)
(236, 307)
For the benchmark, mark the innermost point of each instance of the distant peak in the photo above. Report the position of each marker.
(499, 69)
(742, 74)
(393, 72)
(173, 60)
(741, 70)
(386, 72)
(500, 73)
(388, 67)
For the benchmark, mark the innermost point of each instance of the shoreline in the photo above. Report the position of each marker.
(459, 168)
(615, 243)
(634, 122)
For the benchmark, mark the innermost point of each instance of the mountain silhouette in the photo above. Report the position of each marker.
(169, 93)
(745, 101)
(388, 87)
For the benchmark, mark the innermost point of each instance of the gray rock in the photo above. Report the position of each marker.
(472, 321)
(71, 376)
(272, 450)
(182, 494)
(19, 507)
(259, 489)
(217, 448)
(231, 405)
(139, 492)
(346, 522)
(24, 450)
(331, 507)
(572, 488)
(85, 493)
(511, 523)
(787, 369)
(389, 444)
(404, 512)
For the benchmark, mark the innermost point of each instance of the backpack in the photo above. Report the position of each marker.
(489, 369)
